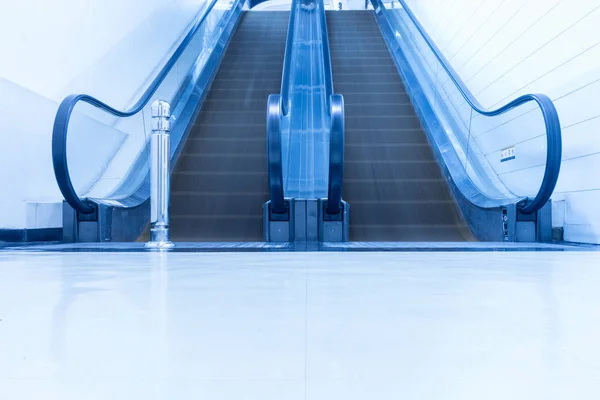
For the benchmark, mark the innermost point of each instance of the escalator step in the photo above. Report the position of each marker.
(385, 171)
(373, 78)
(192, 203)
(254, 58)
(358, 87)
(241, 182)
(379, 109)
(350, 46)
(363, 52)
(399, 151)
(353, 59)
(363, 69)
(259, 104)
(410, 233)
(382, 122)
(233, 129)
(372, 98)
(233, 71)
(217, 228)
(269, 86)
(399, 190)
(223, 117)
(221, 145)
(250, 94)
(230, 165)
(399, 212)
(392, 136)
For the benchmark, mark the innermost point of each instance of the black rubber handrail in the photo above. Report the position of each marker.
(336, 156)
(278, 105)
(274, 154)
(287, 61)
(335, 108)
(326, 56)
(551, 120)
(63, 116)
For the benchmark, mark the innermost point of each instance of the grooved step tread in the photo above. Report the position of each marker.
(392, 181)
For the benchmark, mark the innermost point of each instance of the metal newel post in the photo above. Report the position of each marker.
(160, 191)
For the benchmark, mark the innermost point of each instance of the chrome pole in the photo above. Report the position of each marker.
(160, 149)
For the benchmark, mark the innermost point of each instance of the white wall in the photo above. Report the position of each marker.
(57, 42)
(110, 49)
(505, 48)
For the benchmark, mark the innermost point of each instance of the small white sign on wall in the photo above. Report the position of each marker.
(507, 154)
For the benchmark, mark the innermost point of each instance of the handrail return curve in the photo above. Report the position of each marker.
(335, 109)
(63, 116)
(277, 107)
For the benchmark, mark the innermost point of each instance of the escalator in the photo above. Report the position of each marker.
(392, 180)
(396, 156)
(219, 182)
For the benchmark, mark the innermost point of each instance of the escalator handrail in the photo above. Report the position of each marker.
(334, 105)
(326, 57)
(287, 61)
(547, 107)
(63, 116)
(274, 154)
(336, 155)
(278, 106)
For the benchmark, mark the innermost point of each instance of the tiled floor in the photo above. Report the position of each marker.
(325, 246)
(477, 325)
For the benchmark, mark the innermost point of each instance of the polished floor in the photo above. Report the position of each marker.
(401, 325)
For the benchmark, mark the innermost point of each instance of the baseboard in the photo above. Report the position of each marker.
(31, 235)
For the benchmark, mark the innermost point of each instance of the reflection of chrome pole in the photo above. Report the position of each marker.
(160, 153)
